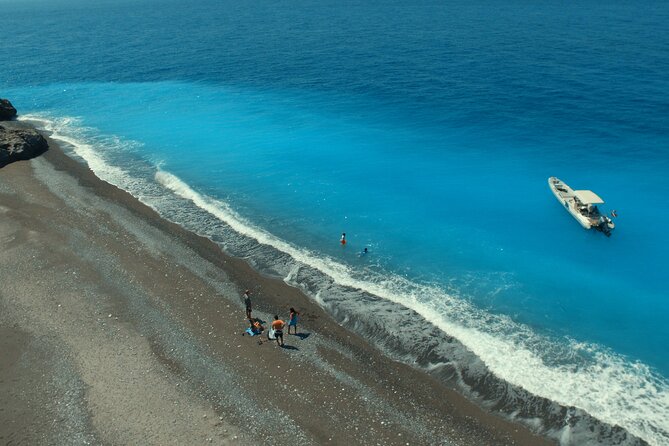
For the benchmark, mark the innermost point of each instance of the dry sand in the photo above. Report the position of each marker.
(118, 327)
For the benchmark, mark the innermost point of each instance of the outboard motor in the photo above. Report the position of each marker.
(606, 225)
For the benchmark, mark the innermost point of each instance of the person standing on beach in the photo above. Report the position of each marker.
(278, 325)
(292, 319)
(247, 302)
(343, 238)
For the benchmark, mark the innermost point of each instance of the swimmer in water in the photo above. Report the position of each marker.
(343, 238)
(363, 252)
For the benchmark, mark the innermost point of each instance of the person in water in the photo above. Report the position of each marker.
(278, 325)
(292, 320)
(343, 238)
(363, 252)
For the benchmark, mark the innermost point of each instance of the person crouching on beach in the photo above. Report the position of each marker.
(247, 302)
(292, 320)
(278, 325)
(256, 326)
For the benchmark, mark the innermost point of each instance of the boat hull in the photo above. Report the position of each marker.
(566, 196)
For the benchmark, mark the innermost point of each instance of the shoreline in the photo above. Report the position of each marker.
(175, 304)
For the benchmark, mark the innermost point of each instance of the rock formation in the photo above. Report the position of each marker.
(20, 144)
(7, 110)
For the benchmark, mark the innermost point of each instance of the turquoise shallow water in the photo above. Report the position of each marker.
(426, 132)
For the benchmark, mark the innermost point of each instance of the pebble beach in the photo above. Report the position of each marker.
(119, 327)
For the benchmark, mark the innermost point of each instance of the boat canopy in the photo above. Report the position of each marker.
(587, 197)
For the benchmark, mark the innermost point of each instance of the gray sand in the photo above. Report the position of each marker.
(117, 327)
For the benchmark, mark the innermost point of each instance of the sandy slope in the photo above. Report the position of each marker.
(118, 327)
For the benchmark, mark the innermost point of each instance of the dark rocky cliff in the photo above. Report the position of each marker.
(7, 110)
(20, 144)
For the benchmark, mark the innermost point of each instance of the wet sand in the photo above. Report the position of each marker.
(119, 327)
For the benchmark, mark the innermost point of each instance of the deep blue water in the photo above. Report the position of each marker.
(426, 131)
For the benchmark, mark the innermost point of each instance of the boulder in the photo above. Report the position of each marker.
(7, 110)
(20, 144)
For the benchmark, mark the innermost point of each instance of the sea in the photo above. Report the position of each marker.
(425, 131)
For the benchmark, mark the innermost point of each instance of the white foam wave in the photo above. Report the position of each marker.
(607, 386)
(70, 131)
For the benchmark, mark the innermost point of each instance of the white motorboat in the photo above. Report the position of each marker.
(582, 205)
